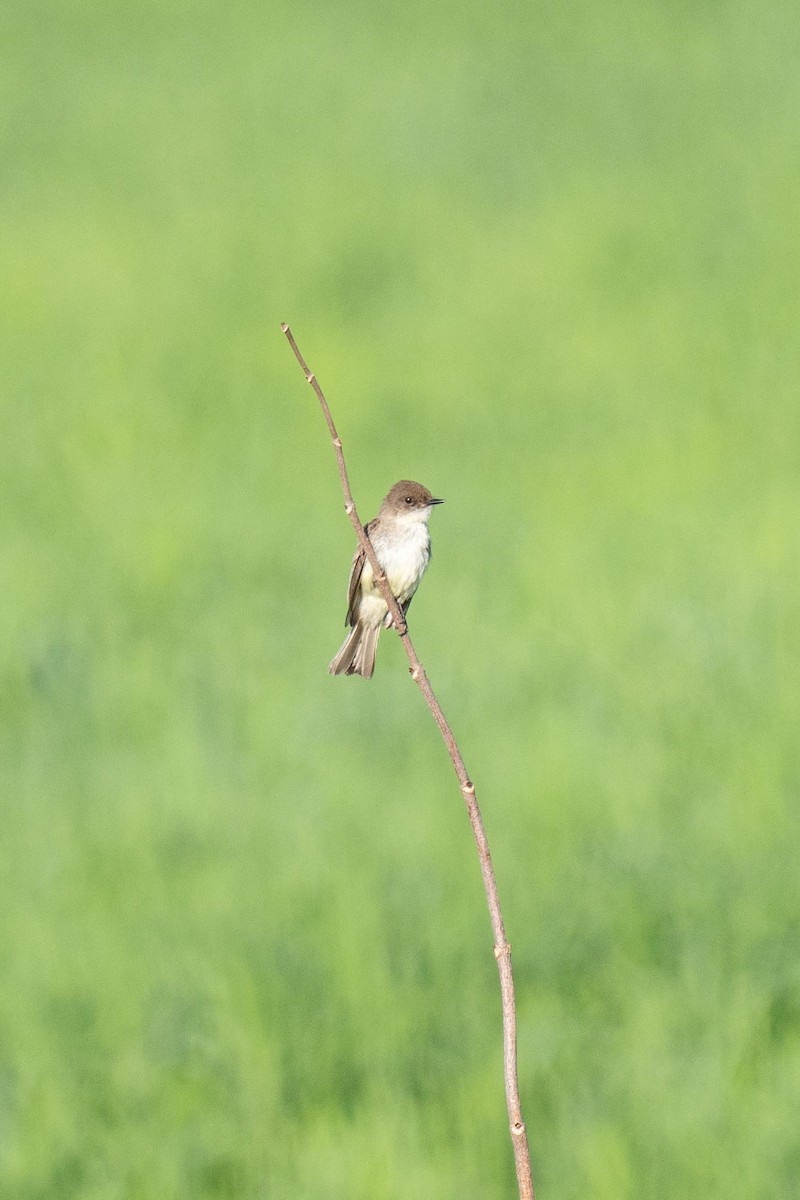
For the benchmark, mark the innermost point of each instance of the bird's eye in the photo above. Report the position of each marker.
(409, 499)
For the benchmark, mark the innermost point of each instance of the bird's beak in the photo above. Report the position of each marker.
(436, 501)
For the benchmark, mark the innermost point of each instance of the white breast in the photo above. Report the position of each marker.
(404, 558)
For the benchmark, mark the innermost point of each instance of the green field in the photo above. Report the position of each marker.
(544, 259)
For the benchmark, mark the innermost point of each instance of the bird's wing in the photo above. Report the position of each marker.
(354, 583)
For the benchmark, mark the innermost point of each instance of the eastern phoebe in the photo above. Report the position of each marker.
(402, 544)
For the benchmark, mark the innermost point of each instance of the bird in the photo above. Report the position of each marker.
(402, 544)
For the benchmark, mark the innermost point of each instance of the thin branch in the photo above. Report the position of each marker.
(502, 949)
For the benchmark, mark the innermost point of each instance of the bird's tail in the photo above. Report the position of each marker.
(357, 654)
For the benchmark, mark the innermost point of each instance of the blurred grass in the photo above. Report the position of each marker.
(545, 261)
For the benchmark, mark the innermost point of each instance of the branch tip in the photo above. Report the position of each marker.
(284, 327)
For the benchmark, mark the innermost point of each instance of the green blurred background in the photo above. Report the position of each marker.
(545, 259)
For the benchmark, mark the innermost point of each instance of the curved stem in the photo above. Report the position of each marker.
(502, 949)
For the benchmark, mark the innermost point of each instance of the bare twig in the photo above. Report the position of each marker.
(502, 949)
